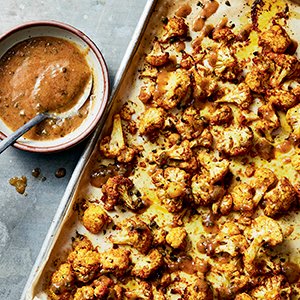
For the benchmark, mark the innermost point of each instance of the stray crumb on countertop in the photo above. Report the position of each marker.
(61, 172)
(19, 183)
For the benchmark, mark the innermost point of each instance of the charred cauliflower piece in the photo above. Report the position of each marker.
(223, 35)
(148, 264)
(84, 293)
(147, 91)
(242, 197)
(272, 288)
(133, 232)
(227, 67)
(282, 99)
(293, 118)
(222, 116)
(280, 198)
(275, 39)
(152, 120)
(119, 189)
(85, 264)
(114, 146)
(240, 96)
(115, 261)
(175, 27)
(62, 280)
(198, 289)
(95, 218)
(157, 57)
(174, 89)
(233, 140)
(177, 238)
(243, 296)
(141, 290)
(263, 230)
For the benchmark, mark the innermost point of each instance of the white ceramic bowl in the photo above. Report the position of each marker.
(100, 91)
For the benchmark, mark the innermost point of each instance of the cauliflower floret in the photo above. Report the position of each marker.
(120, 188)
(147, 265)
(272, 288)
(62, 280)
(114, 146)
(293, 118)
(296, 161)
(175, 27)
(115, 261)
(152, 120)
(204, 191)
(199, 290)
(84, 293)
(81, 242)
(147, 91)
(173, 88)
(204, 85)
(224, 206)
(95, 218)
(240, 96)
(222, 116)
(279, 199)
(263, 230)
(140, 290)
(85, 264)
(281, 99)
(133, 232)
(177, 238)
(157, 57)
(223, 35)
(243, 296)
(103, 287)
(274, 39)
(233, 140)
(187, 60)
(204, 140)
(263, 179)
(242, 197)
(226, 67)
(179, 152)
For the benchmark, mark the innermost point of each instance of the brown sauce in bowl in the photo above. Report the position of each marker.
(43, 74)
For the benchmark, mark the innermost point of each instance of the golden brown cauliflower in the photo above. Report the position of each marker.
(84, 293)
(119, 189)
(293, 118)
(157, 57)
(274, 39)
(272, 288)
(242, 197)
(222, 116)
(152, 120)
(177, 238)
(147, 91)
(281, 99)
(133, 232)
(175, 88)
(115, 261)
(62, 280)
(279, 199)
(233, 140)
(147, 265)
(198, 289)
(240, 96)
(243, 296)
(175, 27)
(114, 146)
(139, 290)
(223, 35)
(95, 218)
(179, 152)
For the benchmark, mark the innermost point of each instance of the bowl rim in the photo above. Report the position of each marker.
(106, 84)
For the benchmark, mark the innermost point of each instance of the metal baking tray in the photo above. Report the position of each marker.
(65, 223)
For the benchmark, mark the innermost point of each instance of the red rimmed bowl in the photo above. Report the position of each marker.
(100, 91)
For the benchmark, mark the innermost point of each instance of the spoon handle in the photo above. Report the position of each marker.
(20, 131)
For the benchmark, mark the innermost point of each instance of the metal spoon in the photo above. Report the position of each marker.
(44, 115)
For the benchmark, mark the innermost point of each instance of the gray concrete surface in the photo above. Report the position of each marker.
(24, 220)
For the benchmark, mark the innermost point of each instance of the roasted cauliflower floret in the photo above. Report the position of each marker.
(179, 152)
(81, 242)
(62, 280)
(282, 99)
(157, 57)
(233, 140)
(140, 290)
(198, 289)
(152, 120)
(293, 118)
(263, 230)
(84, 293)
(240, 96)
(242, 197)
(272, 288)
(175, 27)
(223, 35)
(95, 218)
(173, 89)
(115, 261)
(147, 265)
(222, 116)
(223, 206)
(119, 189)
(85, 264)
(133, 232)
(147, 91)
(177, 238)
(274, 39)
(103, 288)
(243, 296)
(279, 199)
(226, 67)
(114, 146)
